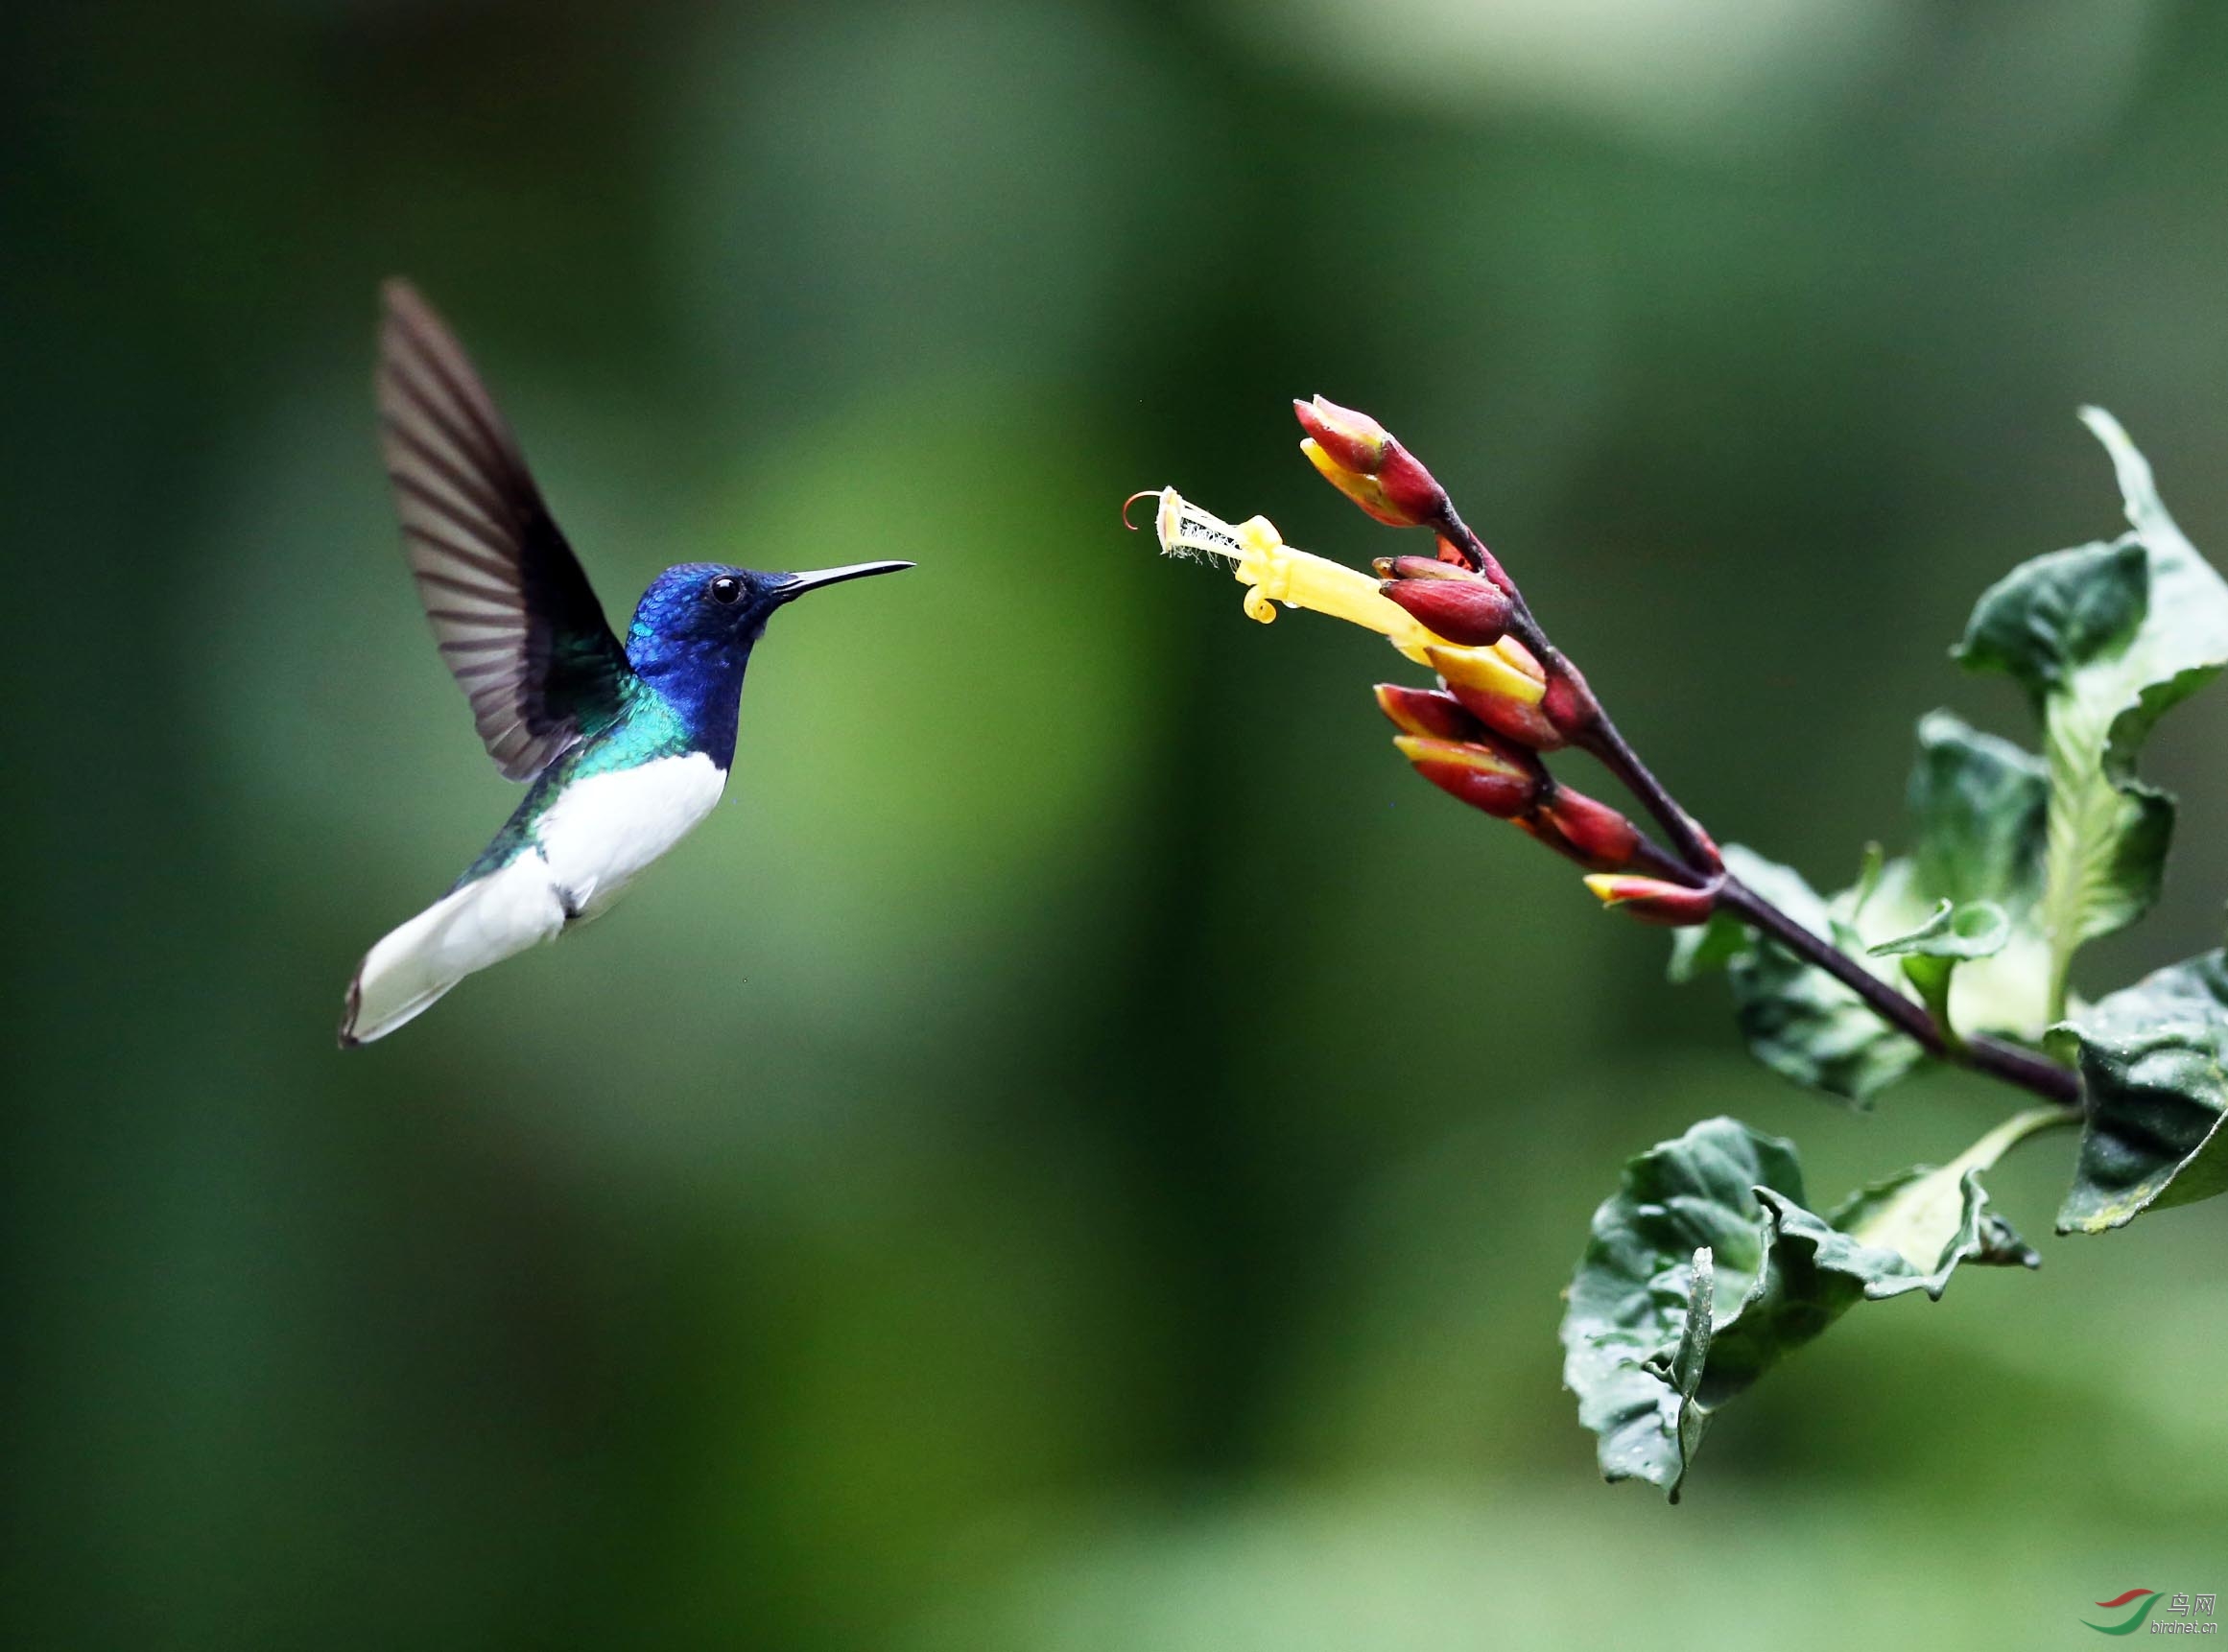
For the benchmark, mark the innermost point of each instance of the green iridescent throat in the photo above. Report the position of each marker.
(647, 727)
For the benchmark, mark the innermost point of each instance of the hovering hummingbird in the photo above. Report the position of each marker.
(627, 748)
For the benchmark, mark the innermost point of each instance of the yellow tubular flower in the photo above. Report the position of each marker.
(1258, 557)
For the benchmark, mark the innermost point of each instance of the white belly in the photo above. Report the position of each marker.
(603, 830)
(597, 836)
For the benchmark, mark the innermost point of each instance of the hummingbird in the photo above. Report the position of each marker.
(624, 747)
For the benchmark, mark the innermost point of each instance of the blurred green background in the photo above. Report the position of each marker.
(1082, 1151)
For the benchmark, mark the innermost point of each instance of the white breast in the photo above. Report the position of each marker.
(608, 826)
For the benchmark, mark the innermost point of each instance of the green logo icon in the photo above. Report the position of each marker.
(2150, 1597)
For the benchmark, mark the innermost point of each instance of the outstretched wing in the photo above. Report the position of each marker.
(513, 614)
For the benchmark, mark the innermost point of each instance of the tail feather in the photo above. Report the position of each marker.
(485, 922)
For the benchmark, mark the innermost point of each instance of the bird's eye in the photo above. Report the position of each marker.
(726, 588)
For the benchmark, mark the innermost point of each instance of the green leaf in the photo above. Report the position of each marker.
(1931, 953)
(1936, 1218)
(1955, 933)
(2048, 617)
(1705, 1269)
(1669, 1254)
(1807, 1027)
(1799, 1021)
(1705, 947)
(1977, 807)
(2154, 1069)
(1848, 911)
(2105, 639)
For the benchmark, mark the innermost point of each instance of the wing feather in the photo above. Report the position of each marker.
(511, 611)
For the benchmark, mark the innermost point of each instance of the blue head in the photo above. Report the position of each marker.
(693, 633)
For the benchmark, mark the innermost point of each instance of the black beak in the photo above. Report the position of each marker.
(798, 584)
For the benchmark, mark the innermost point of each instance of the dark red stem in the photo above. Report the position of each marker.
(1998, 1059)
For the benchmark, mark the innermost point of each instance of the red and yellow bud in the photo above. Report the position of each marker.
(1516, 717)
(1366, 461)
(1652, 901)
(1352, 439)
(1365, 491)
(1510, 717)
(1592, 834)
(1568, 703)
(1431, 714)
(1498, 670)
(1466, 608)
(1505, 785)
(1420, 568)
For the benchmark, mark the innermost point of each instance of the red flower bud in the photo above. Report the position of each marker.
(1421, 568)
(1432, 714)
(1354, 441)
(1568, 703)
(1470, 610)
(1512, 719)
(1652, 901)
(1362, 490)
(1449, 564)
(1503, 786)
(1409, 488)
(1363, 460)
(1592, 834)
